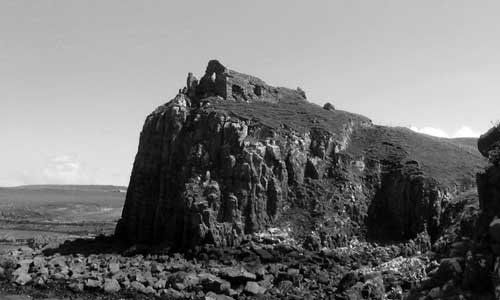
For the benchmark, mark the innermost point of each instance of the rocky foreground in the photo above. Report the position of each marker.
(266, 267)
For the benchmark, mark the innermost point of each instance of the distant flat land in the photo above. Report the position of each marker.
(46, 212)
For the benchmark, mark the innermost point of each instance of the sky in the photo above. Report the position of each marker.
(78, 78)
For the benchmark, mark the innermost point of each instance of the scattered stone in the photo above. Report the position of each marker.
(137, 286)
(114, 268)
(111, 285)
(22, 278)
(93, 284)
(213, 283)
(237, 275)
(149, 290)
(39, 262)
(160, 284)
(214, 296)
(253, 288)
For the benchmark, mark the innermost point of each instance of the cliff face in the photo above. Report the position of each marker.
(488, 181)
(231, 155)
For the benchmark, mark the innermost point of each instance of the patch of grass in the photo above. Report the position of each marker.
(289, 113)
(451, 162)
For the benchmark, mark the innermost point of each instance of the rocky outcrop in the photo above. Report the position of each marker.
(489, 181)
(489, 142)
(204, 176)
(406, 204)
(231, 156)
(471, 266)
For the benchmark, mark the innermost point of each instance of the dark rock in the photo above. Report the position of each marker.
(329, 106)
(349, 280)
(489, 141)
(213, 283)
(264, 255)
(449, 268)
(237, 275)
(495, 230)
(477, 273)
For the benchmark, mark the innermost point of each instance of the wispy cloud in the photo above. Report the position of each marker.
(430, 131)
(464, 131)
(66, 169)
(63, 169)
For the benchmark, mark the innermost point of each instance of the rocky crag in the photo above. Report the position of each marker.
(470, 264)
(231, 156)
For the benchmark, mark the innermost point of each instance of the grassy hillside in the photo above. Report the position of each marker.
(289, 113)
(449, 161)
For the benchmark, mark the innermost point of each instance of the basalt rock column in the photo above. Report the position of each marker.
(197, 177)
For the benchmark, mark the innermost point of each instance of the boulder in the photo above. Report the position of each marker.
(489, 141)
(450, 268)
(21, 275)
(329, 106)
(253, 288)
(137, 286)
(114, 268)
(213, 283)
(237, 275)
(39, 262)
(214, 296)
(93, 284)
(111, 286)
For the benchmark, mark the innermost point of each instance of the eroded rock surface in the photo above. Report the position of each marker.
(231, 156)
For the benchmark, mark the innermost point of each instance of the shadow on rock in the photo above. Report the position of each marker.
(98, 245)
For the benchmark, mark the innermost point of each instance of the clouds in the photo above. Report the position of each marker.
(464, 131)
(67, 168)
(63, 169)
